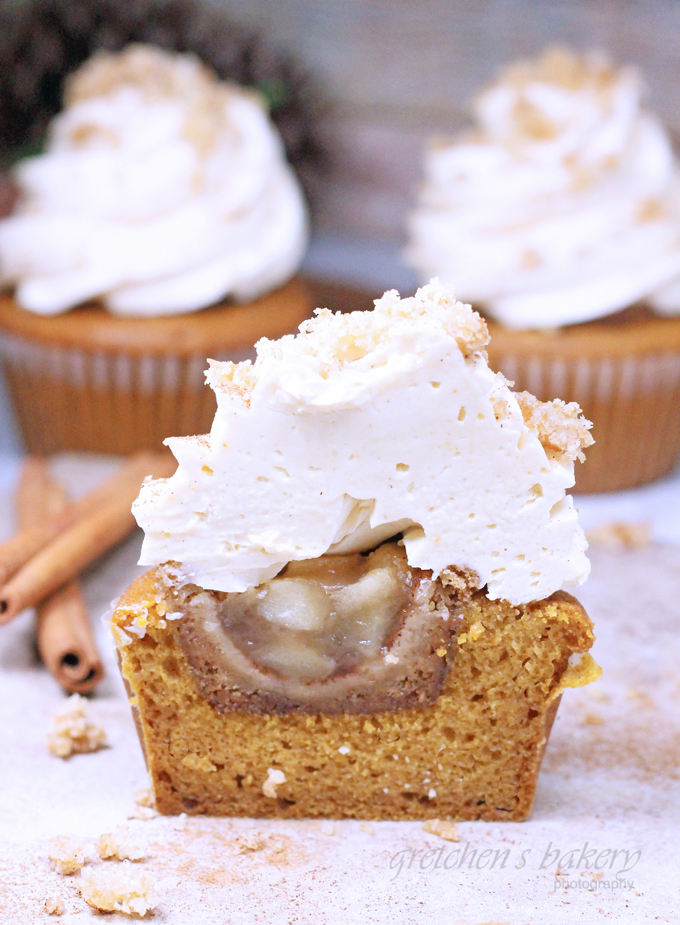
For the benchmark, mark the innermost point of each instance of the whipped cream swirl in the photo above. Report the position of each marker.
(364, 426)
(162, 190)
(561, 206)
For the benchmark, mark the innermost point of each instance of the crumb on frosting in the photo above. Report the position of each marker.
(160, 76)
(337, 339)
(73, 731)
(561, 428)
(564, 68)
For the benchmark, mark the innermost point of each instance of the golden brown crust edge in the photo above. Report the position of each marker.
(475, 754)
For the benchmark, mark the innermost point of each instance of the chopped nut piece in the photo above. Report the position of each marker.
(274, 779)
(54, 905)
(117, 888)
(446, 830)
(120, 844)
(67, 855)
(561, 428)
(73, 731)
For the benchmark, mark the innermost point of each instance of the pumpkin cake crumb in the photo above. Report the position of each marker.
(67, 855)
(54, 905)
(121, 845)
(443, 828)
(73, 731)
(117, 888)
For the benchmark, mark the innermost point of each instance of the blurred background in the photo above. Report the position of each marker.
(390, 73)
(397, 71)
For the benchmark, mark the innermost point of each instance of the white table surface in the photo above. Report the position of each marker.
(609, 781)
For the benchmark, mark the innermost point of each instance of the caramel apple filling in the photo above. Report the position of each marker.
(352, 633)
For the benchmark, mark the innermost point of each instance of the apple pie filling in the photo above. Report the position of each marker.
(344, 633)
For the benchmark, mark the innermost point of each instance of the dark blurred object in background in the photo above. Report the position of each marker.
(8, 195)
(41, 41)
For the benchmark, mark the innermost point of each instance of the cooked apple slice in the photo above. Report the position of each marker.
(366, 609)
(294, 603)
(293, 658)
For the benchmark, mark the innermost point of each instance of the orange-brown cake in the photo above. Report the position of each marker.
(161, 225)
(471, 751)
(357, 609)
(557, 215)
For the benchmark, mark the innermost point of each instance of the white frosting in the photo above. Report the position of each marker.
(562, 206)
(362, 426)
(162, 190)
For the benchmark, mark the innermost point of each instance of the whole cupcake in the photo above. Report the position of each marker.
(161, 191)
(558, 216)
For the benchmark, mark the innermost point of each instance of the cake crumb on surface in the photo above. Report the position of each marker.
(67, 855)
(618, 534)
(328, 828)
(446, 830)
(54, 905)
(274, 779)
(117, 888)
(561, 428)
(253, 841)
(73, 731)
(143, 812)
(180, 823)
(366, 827)
(145, 797)
(121, 845)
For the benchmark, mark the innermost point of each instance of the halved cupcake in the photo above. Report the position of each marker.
(356, 605)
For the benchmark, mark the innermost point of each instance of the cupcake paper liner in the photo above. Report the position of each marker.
(633, 402)
(90, 381)
(68, 399)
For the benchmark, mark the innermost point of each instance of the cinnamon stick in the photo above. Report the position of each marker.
(104, 521)
(65, 640)
(17, 551)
